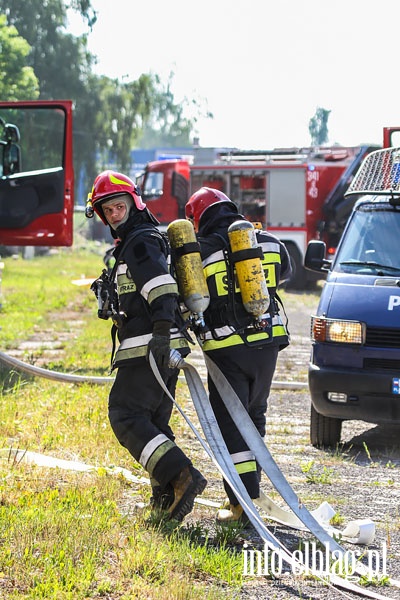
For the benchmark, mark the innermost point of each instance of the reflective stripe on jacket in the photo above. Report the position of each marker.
(135, 347)
(228, 322)
(147, 293)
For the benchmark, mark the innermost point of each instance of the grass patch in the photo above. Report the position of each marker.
(78, 535)
(315, 474)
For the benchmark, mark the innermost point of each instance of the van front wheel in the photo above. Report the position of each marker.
(324, 431)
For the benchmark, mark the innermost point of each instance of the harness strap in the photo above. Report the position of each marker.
(113, 339)
(247, 253)
(187, 248)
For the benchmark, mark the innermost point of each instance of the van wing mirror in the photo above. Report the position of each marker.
(314, 259)
(11, 159)
(10, 150)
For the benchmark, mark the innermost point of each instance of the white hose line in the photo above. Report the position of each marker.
(55, 375)
(70, 378)
(217, 451)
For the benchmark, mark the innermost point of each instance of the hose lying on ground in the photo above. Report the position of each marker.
(65, 377)
(70, 378)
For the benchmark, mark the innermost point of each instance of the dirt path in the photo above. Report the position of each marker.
(360, 480)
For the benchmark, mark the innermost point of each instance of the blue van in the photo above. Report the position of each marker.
(354, 370)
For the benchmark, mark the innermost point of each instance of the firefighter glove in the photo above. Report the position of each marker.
(159, 344)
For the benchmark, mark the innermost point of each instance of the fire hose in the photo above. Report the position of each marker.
(24, 367)
(219, 454)
(216, 449)
(54, 375)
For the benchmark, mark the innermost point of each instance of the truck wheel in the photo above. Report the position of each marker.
(324, 431)
(298, 279)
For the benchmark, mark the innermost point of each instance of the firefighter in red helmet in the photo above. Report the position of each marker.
(141, 297)
(246, 352)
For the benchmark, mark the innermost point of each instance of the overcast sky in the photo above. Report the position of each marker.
(262, 66)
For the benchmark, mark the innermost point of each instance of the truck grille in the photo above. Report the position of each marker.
(382, 363)
(383, 338)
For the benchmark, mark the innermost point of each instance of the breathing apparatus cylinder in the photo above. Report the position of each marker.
(247, 257)
(190, 276)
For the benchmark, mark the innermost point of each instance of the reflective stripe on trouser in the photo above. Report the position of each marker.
(246, 467)
(139, 414)
(250, 372)
(153, 451)
(244, 462)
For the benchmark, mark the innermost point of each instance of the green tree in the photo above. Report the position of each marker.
(171, 123)
(110, 116)
(61, 62)
(318, 127)
(125, 107)
(18, 81)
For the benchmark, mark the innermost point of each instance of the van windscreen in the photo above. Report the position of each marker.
(371, 242)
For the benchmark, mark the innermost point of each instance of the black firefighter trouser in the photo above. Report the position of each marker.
(139, 413)
(250, 372)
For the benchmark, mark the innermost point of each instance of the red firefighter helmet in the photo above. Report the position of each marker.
(201, 200)
(107, 185)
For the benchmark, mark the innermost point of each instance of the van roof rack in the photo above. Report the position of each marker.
(379, 174)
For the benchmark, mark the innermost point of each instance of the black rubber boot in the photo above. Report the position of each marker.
(187, 485)
(162, 498)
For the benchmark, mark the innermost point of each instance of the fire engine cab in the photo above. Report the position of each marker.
(290, 191)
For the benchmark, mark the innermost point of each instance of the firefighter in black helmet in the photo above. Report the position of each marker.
(244, 348)
(146, 314)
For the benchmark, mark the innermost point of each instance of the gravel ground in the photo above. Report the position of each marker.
(360, 480)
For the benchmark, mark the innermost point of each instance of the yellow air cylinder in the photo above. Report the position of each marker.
(192, 283)
(246, 255)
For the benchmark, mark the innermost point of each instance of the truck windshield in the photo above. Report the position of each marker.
(153, 186)
(370, 244)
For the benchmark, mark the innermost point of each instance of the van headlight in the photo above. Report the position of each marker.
(337, 330)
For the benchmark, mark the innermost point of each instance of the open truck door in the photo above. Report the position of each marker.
(391, 137)
(36, 173)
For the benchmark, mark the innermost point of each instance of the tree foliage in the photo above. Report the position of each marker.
(18, 81)
(318, 127)
(110, 117)
(61, 62)
(168, 124)
(126, 106)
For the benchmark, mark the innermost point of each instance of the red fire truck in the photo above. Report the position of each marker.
(297, 193)
(36, 173)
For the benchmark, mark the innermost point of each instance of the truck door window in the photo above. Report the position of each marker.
(41, 137)
(36, 186)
